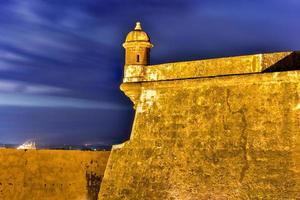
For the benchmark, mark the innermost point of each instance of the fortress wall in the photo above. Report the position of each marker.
(51, 174)
(211, 67)
(230, 137)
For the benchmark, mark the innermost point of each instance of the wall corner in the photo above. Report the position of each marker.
(133, 91)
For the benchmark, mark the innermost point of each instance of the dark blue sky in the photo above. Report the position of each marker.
(61, 62)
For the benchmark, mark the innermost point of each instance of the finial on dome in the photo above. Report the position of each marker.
(138, 26)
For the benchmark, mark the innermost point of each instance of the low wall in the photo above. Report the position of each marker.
(51, 174)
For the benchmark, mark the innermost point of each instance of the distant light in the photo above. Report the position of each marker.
(27, 145)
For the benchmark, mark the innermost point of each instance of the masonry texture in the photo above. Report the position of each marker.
(226, 128)
(51, 174)
(231, 137)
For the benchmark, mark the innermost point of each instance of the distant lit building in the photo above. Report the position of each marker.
(30, 144)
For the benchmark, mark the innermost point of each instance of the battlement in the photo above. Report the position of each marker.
(257, 63)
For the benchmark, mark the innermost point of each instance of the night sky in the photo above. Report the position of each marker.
(61, 61)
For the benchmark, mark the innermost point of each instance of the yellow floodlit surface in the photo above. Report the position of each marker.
(211, 67)
(225, 128)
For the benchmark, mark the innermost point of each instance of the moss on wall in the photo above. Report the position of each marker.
(229, 137)
(51, 174)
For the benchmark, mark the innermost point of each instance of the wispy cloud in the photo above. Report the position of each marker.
(6, 66)
(26, 100)
(11, 56)
(9, 86)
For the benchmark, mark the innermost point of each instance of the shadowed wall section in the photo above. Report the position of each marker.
(51, 174)
(222, 137)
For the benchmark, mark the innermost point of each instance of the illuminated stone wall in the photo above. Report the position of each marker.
(51, 174)
(223, 137)
(213, 67)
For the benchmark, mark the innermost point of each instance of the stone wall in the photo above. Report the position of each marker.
(51, 174)
(256, 63)
(226, 137)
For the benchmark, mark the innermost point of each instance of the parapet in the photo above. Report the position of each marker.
(257, 63)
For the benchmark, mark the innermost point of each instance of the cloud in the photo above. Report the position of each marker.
(11, 56)
(9, 86)
(46, 101)
(6, 66)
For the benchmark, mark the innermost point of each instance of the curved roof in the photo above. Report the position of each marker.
(137, 35)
